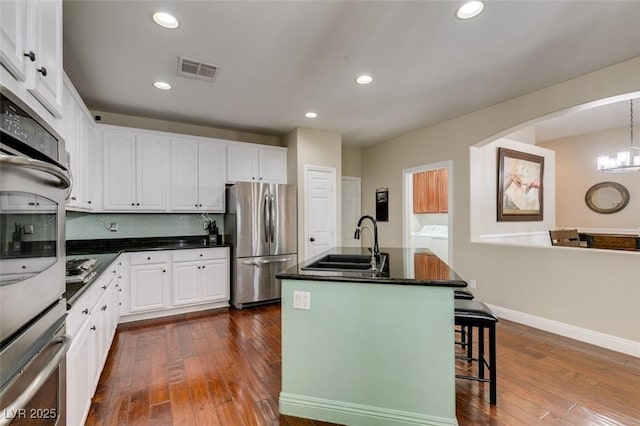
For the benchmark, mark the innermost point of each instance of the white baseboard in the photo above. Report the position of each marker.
(139, 316)
(618, 344)
(354, 414)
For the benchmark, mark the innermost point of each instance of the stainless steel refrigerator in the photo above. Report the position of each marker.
(261, 223)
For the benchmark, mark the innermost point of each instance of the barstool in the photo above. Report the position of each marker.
(465, 294)
(472, 314)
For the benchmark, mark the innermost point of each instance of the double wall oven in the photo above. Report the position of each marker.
(33, 188)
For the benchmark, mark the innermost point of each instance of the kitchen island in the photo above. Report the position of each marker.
(360, 348)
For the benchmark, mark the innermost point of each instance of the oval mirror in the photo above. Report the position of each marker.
(607, 197)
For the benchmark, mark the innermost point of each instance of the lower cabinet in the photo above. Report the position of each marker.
(92, 324)
(170, 282)
(200, 276)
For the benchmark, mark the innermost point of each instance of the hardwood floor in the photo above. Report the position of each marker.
(223, 368)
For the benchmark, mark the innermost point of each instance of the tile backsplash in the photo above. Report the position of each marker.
(87, 226)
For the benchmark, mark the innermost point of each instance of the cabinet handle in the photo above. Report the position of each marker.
(119, 303)
(31, 55)
(93, 328)
(43, 71)
(260, 178)
(148, 258)
(137, 204)
(88, 202)
(200, 254)
(196, 205)
(119, 276)
(86, 311)
(164, 270)
(133, 204)
(73, 198)
(104, 308)
(114, 271)
(120, 290)
(104, 287)
(203, 267)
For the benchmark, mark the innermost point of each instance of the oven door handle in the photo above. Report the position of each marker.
(36, 384)
(29, 163)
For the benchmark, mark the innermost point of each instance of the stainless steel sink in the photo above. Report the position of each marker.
(345, 263)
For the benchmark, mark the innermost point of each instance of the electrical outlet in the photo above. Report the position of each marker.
(113, 227)
(301, 300)
(472, 283)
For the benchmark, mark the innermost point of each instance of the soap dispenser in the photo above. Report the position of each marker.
(213, 233)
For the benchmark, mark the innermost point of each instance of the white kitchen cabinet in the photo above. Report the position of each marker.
(92, 323)
(13, 37)
(134, 171)
(251, 163)
(149, 281)
(31, 48)
(197, 175)
(79, 377)
(79, 143)
(200, 276)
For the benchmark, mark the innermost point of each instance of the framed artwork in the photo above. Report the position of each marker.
(519, 186)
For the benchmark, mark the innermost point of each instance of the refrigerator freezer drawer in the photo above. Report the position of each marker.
(255, 280)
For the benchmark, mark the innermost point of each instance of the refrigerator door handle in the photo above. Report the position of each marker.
(266, 262)
(265, 219)
(271, 217)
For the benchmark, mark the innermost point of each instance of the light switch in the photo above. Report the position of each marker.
(301, 300)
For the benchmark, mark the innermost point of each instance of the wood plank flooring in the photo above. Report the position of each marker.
(223, 368)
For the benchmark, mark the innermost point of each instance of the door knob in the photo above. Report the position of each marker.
(312, 239)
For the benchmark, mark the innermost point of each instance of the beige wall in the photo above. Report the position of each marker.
(184, 128)
(310, 147)
(591, 289)
(351, 162)
(576, 173)
(484, 191)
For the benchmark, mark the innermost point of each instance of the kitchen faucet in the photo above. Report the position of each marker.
(376, 249)
(373, 262)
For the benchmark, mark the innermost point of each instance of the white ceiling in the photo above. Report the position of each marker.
(280, 59)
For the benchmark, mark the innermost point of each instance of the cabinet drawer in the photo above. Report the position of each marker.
(147, 257)
(200, 254)
(81, 309)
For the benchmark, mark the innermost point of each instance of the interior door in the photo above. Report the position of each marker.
(320, 210)
(350, 210)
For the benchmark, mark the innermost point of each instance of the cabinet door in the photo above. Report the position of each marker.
(87, 170)
(215, 280)
(186, 277)
(273, 165)
(242, 163)
(13, 32)
(443, 202)
(211, 171)
(119, 151)
(419, 192)
(78, 378)
(433, 191)
(44, 37)
(147, 287)
(150, 173)
(72, 145)
(184, 175)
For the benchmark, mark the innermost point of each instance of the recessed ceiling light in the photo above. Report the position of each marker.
(311, 115)
(364, 79)
(162, 85)
(165, 20)
(470, 9)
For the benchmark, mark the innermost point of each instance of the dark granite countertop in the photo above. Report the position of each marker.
(105, 251)
(399, 269)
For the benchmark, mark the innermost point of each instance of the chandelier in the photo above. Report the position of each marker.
(625, 161)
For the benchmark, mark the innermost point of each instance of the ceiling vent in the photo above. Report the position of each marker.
(197, 70)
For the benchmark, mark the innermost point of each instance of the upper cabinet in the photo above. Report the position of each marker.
(31, 48)
(430, 191)
(135, 171)
(79, 140)
(197, 175)
(249, 163)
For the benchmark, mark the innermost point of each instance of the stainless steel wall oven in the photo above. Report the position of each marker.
(33, 189)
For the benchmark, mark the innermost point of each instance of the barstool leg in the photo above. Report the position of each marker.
(493, 397)
(481, 352)
(469, 343)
